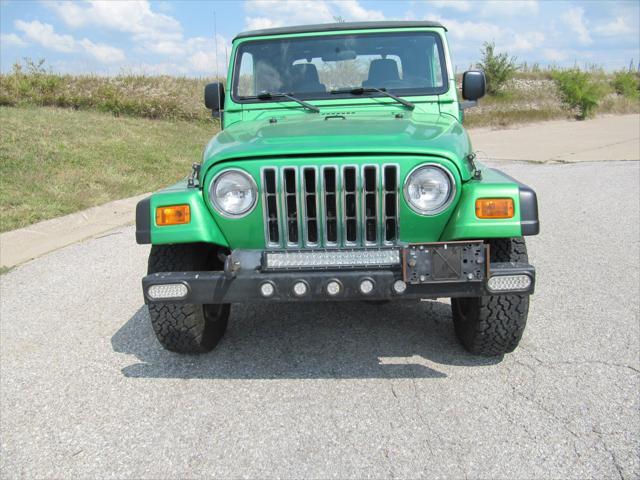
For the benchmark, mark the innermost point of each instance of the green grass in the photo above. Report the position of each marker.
(57, 161)
(4, 269)
(115, 137)
(500, 119)
(156, 97)
(534, 98)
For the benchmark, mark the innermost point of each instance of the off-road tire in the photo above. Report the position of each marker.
(186, 328)
(493, 325)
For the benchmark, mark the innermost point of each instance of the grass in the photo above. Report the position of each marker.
(521, 100)
(4, 269)
(535, 97)
(530, 95)
(55, 161)
(156, 97)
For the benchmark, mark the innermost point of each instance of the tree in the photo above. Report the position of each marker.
(498, 68)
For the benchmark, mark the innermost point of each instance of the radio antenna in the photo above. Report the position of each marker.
(215, 43)
(226, 56)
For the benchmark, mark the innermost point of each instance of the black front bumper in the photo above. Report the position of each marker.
(421, 279)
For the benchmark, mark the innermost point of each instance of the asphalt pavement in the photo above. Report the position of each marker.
(340, 390)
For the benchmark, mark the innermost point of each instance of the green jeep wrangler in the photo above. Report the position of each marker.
(342, 172)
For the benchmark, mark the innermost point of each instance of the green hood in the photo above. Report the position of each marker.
(343, 132)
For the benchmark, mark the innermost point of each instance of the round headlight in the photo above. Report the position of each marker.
(233, 193)
(429, 189)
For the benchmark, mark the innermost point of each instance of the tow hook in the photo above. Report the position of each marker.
(231, 267)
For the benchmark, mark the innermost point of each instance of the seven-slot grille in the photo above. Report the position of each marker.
(330, 206)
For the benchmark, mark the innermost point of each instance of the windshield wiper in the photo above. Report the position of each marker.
(361, 90)
(270, 95)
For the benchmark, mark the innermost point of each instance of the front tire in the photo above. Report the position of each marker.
(493, 325)
(186, 327)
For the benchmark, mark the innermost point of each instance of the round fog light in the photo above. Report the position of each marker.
(300, 288)
(366, 286)
(399, 286)
(333, 288)
(267, 289)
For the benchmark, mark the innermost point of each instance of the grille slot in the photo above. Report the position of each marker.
(271, 206)
(390, 203)
(332, 206)
(291, 205)
(370, 204)
(350, 199)
(310, 206)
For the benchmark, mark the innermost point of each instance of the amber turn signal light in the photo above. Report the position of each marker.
(494, 208)
(173, 215)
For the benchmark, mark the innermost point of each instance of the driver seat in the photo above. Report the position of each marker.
(304, 78)
(381, 72)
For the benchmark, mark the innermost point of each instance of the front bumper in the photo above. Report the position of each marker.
(418, 275)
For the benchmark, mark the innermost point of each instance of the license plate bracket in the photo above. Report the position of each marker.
(444, 262)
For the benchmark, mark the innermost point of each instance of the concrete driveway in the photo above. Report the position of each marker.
(336, 390)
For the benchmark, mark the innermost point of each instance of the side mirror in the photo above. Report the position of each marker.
(473, 85)
(214, 98)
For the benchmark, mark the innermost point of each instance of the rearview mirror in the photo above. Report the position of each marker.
(339, 55)
(214, 98)
(473, 85)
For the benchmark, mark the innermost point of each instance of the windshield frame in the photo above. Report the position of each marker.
(413, 92)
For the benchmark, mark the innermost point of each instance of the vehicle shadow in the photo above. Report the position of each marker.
(310, 340)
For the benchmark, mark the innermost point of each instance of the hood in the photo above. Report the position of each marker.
(343, 132)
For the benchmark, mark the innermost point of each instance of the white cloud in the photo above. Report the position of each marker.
(277, 13)
(102, 52)
(12, 39)
(198, 58)
(554, 55)
(502, 8)
(615, 28)
(151, 32)
(458, 5)
(352, 11)
(526, 42)
(133, 16)
(44, 34)
(470, 32)
(259, 23)
(574, 19)
(202, 55)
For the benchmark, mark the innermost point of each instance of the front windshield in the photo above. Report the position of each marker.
(405, 63)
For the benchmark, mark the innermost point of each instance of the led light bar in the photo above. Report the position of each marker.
(332, 258)
(504, 283)
(167, 290)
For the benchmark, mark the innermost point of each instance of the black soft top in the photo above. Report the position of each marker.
(330, 27)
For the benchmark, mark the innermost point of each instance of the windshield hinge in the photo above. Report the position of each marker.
(477, 174)
(194, 177)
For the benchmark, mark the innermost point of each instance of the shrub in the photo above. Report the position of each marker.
(156, 97)
(626, 84)
(498, 68)
(580, 90)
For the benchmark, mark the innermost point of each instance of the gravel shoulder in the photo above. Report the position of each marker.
(335, 390)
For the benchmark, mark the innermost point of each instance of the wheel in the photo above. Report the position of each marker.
(493, 325)
(186, 327)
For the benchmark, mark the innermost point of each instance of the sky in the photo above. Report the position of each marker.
(109, 37)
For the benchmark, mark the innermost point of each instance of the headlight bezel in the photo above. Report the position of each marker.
(452, 190)
(218, 208)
